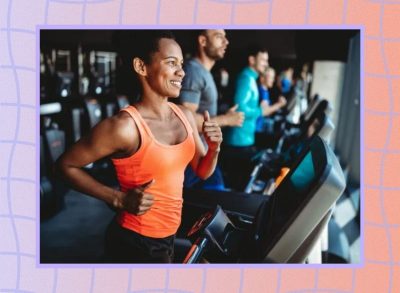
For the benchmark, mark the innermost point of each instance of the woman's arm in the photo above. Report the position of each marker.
(117, 135)
(204, 163)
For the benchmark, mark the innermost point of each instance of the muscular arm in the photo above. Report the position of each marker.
(204, 163)
(109, 137)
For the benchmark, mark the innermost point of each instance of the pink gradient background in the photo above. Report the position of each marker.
(380, 271)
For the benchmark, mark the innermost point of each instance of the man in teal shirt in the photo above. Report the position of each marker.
(247, 97)
(239, 141)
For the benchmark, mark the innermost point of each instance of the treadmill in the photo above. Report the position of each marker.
(295, 132)
(269, 163)
(287, 225)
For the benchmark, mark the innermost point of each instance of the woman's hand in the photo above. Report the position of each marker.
(136, 200)
(212, 133)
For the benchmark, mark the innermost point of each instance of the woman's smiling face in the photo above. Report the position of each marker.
(165, 73)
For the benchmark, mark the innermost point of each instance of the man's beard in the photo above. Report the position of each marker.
(212, 53)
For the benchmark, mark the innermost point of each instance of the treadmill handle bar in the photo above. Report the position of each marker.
(253, 177)
(196, 251)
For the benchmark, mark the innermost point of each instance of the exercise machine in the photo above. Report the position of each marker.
(287, 224)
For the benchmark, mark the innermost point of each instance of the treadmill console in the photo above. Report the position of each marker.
(299, 203)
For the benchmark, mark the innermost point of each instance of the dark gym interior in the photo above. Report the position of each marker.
(84, 78)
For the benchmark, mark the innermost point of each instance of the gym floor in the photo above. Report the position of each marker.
(76, 233)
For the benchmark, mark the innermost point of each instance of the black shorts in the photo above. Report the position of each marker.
(126, 246)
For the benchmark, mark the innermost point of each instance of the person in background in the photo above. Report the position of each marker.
(266, 82)
(302, 86)
(199, 93)
(285, 81)
(268, 126)
(239, 141)
(150, 143)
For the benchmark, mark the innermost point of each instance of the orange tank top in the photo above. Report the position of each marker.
(164, 163)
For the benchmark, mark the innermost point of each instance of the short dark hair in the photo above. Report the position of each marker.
(150, 44)
(137, 43)
(194, 36)
(254, 49)
(202, 33)
(141, 43)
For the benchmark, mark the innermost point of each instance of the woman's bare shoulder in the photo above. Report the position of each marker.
(120, 130)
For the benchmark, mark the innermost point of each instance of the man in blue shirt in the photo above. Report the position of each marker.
(247, 98)
(266, 82)
(239, 141)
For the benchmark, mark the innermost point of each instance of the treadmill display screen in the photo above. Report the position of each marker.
(303, 175)
(294, 191)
